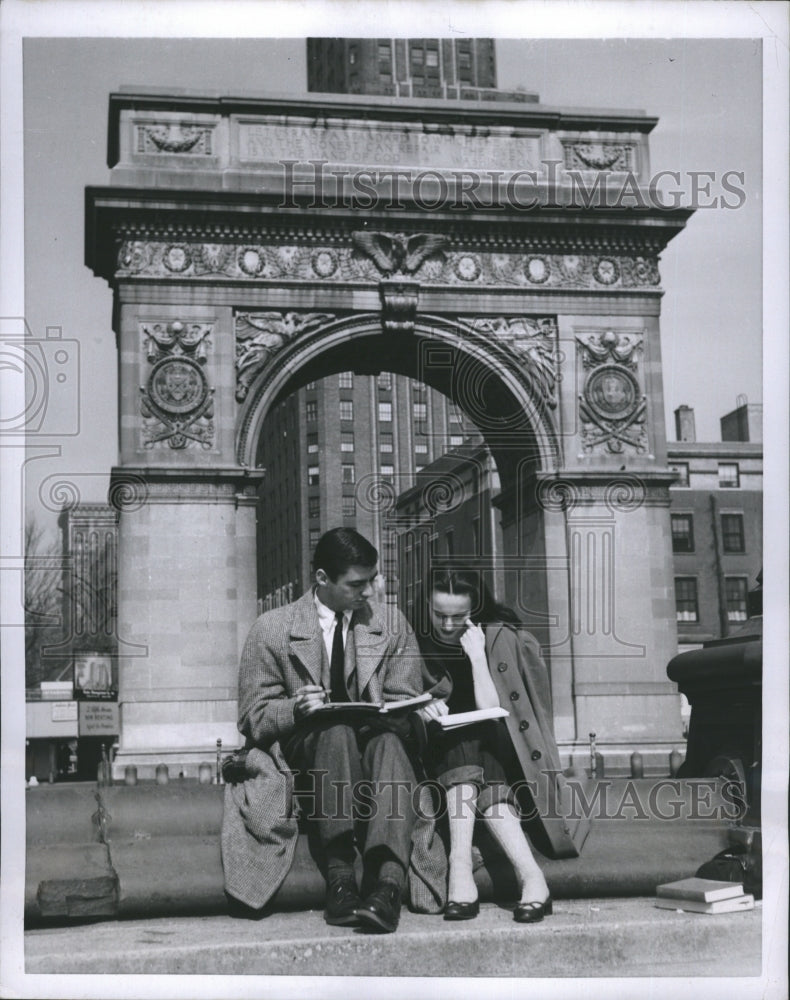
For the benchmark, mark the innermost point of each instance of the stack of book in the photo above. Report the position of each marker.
(703, 895)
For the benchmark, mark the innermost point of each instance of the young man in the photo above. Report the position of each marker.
(331, 645)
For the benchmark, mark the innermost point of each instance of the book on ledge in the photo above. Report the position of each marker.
(700, 890)
(743, 902)
(467, 718)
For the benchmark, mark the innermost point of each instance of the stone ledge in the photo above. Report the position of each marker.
(584, 938)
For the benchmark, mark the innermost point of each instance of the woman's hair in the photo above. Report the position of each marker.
(484, 610)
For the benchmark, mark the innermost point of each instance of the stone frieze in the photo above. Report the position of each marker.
(430, 265)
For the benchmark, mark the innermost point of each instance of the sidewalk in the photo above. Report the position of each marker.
(584, 938)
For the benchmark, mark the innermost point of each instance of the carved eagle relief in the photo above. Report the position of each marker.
(396, 253)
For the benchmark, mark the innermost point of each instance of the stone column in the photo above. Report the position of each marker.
(186, 589)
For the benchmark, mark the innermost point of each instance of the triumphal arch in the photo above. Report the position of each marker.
(505, 254)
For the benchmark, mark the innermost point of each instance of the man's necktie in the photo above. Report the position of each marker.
(337, 683)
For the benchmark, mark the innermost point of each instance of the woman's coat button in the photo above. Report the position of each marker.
(536, 755)
(523, 725)
(502, 667)
(514, 695)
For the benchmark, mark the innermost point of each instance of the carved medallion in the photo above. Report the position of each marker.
(612, 392)
(467, 267)
(537, 270)
(177, 385)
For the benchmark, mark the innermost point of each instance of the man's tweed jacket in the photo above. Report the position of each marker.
(284, 651)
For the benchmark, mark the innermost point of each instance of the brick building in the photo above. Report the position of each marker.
(338, 451)
(459, 68)
(716, 517)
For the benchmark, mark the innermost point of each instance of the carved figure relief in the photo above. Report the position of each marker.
(612, 407)
(259, 336)
(532, 341)
(177, 403)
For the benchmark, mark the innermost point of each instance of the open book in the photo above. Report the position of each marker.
(467, 718)
(373, 708)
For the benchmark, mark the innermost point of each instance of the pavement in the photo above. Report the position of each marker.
(614, 937)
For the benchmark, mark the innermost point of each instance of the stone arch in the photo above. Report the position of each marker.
(478, 368)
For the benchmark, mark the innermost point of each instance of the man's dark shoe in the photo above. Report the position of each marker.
(342, 902)
(380, 911)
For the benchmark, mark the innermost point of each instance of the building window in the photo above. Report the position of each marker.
(732, 532)
(346, 409)
(682, 533)
(385, 380)
(312, 444)
(347, 441)
(313, 478)
(352, 56)
(682, 469)
(456, 440)
(686, 607)
(310, 385)
(311, 410)
(455, 414)
(315, 534)
(420, 411)
(432, 57)
(418, 387)
(385, 412)
(417, 56)
(421, 449)
(729, 476)
(348, 475)
(349, 507)
(314, 506)
(385, 53)
(735, 597)
(345, 380)
(388, 471)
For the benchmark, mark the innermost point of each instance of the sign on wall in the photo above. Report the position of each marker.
(64, 711)
(98, 718)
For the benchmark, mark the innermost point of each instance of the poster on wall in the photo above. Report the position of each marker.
(95, 676)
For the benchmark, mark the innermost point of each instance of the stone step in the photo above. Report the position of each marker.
(584, 938)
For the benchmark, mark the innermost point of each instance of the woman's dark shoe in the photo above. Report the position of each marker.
(532, 913)
(461, 911)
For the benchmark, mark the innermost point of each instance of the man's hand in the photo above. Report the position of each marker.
(433, 709)
(308, 699)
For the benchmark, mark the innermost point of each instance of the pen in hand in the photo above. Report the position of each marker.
(308, 699)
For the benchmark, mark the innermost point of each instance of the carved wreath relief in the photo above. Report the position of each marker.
(612, 406)
(177, 403)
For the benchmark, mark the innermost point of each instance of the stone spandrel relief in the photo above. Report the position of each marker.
(612, 406)
(532, 341)
(177, 402)
(259, 336)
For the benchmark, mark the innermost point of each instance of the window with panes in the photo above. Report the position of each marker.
(686, 605)
(682, 533)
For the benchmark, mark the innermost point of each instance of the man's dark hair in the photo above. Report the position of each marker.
(340, 548)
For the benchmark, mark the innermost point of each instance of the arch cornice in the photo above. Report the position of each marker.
(485, 352)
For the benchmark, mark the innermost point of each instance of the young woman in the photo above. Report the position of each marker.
(478, 656)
